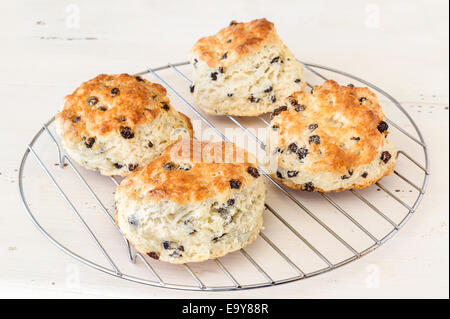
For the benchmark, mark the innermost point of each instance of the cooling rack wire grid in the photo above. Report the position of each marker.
(305, 234)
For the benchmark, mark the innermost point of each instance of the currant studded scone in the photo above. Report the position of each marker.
(118, 123)
(331, 139)
(197, 201)
(245, 69)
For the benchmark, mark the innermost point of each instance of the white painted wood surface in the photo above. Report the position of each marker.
(400, 46)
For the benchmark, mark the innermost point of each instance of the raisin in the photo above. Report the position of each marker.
(102, 108)
(364, 175)
(385, 156)
(292, 173)
(224, 56)
(269, 89)
(361, 100)
(253, 99)
(293, 102)
(273, 98)
(309, 187)
(230, 94)
(312, 127)
(233, 23)
(138, 78)
(165, 107)
(350, 85)
(275, 127)
(293, 147)
(118, 166)
(229, 41)
(221, 70)
(126, 132)
(235, 183)
(314, 139)
(355, 138)
(279, 175)
(278, 110)
(302, 152)
(92, 100)
(192, 88)
(166, 245)
(253, 171)
(230, 202)
(132, 167)
(169, 166)
(382, 126)
(297, 80)
(76, 119)
(115, 92)
(276, 59)
(218, 237)
(214, 76)
(345, 177)
(150, 144)
(132, 220)
(89, 142)
(350, 172)
(154, 255)
(300, 108)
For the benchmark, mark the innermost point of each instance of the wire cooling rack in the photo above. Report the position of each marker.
(305, 234)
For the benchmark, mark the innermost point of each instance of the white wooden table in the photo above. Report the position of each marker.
(49, 47)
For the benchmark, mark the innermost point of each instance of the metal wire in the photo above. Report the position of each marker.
(236, 285)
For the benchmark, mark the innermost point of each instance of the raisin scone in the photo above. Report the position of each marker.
(331, 139)
(118, 123)
(244, 70)
(197, 201)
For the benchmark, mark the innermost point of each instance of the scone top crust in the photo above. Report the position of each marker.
(334, 128)
(191, 171)
(235, 41)
(110, 103)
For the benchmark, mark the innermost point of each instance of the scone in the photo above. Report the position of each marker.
(245, 69)
(331, 139)
(118, 123)
(190, 205)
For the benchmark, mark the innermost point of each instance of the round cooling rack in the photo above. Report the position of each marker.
(305, 234)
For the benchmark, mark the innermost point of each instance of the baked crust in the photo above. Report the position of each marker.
(243, 70)
(334, 131)
(118, 123)
(211, 167)
(245, 38)
(197, 201)
(138, 101)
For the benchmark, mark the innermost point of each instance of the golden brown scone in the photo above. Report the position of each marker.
(119, 123)
(332, 139)
(195, 202)
(244, 69)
